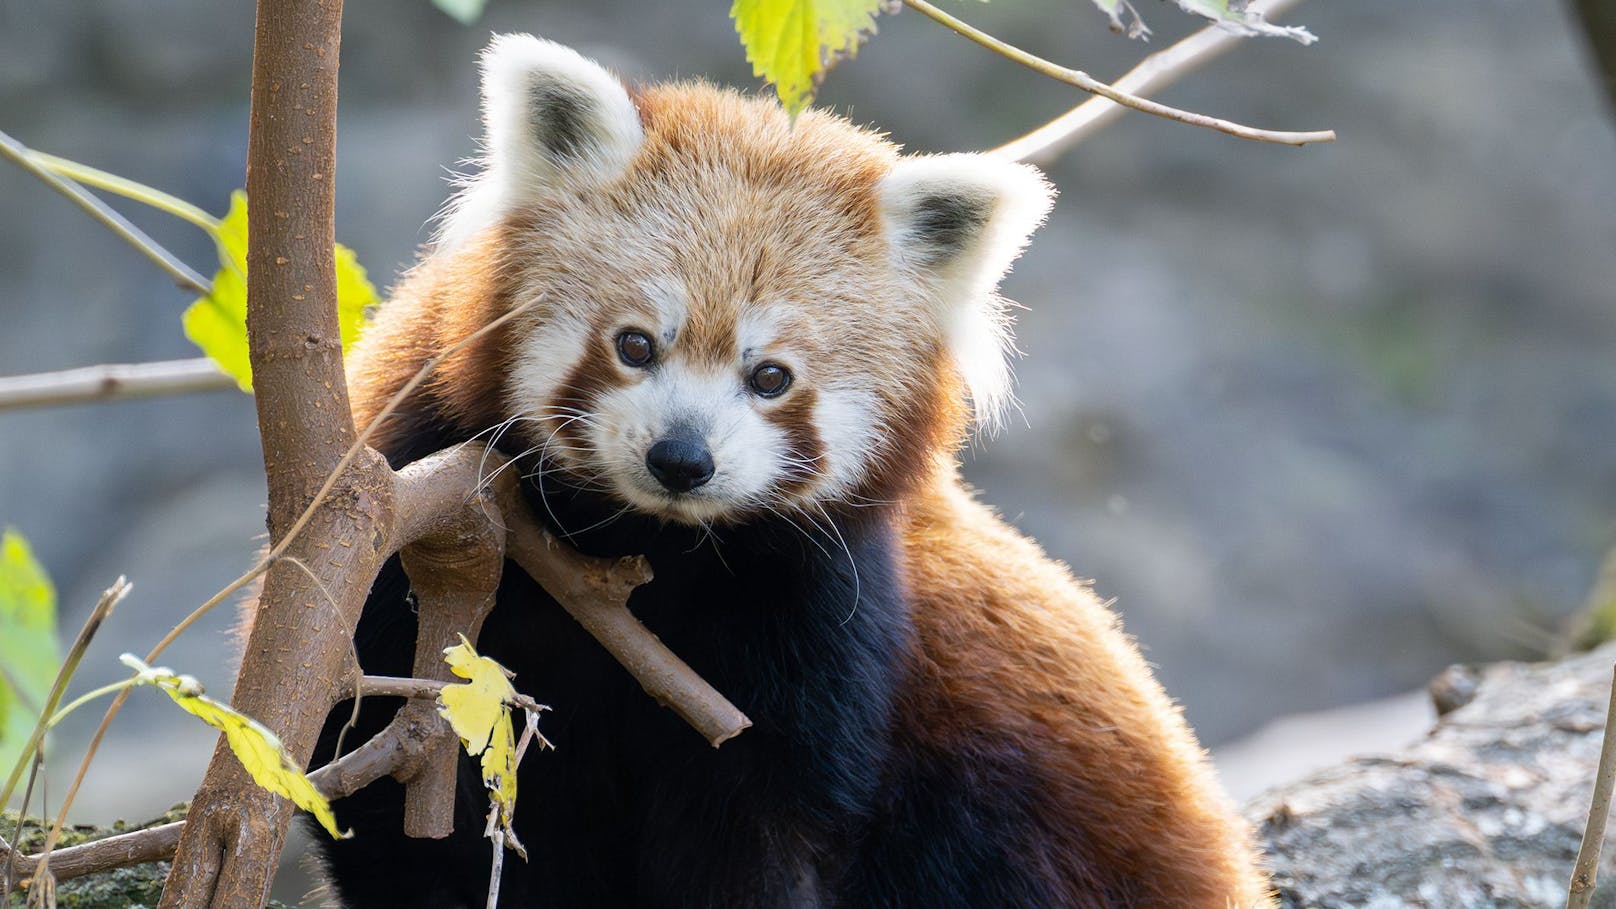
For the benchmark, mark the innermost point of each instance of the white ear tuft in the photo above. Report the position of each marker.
(955, 223)
(555, 121)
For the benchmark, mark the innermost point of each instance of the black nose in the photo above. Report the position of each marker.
(679, 464)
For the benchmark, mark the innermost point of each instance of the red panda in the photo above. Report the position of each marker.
(756, 349)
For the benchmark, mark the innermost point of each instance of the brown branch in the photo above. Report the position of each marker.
(1094, 86)
(595, 592)
(454, 572)
(137, 847)
(390, 686)
(1153, 74)
(402, 750)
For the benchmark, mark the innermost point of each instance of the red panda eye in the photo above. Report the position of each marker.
(634, 348)
(770, 379)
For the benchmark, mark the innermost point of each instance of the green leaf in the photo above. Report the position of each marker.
(28, 649)
(465, 12)
(793, 43)
(217, 323)
(1232, 15)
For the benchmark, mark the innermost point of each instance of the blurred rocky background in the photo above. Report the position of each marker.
(1323, 421)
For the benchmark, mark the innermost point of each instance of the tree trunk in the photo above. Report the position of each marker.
(297, 650)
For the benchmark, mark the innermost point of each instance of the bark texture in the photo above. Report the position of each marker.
(298, 645)
(1486, 812)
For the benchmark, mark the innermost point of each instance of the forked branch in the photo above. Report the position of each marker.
(1094, 86)
(1153, 74)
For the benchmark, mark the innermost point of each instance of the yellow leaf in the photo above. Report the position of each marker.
(792, 43)
(479, 712)
(259, 750)
(217, 323)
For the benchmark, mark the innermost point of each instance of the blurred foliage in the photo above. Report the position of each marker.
(28, 647)
(1230, 14)
(465, 12)
(1596, 624)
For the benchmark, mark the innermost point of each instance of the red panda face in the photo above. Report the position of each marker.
(697, 412)
(736, 315)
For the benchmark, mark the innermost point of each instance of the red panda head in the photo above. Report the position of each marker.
(736, 314)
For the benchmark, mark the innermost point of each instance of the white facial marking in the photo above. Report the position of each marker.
(746, 449)
(849, 425)
(546, 357)
(755, 330)
(672, 301)
(674, 397)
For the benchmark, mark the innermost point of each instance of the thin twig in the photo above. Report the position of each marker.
(384, 686)
(182, 274)
(1094, 86)
(497, 837)
(129, 189)
(110, 382)
(1154, 73)
(1583, 878)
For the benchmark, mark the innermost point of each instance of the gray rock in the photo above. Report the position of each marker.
(1486, 811)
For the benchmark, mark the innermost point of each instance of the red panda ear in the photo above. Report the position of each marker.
(555, 121)
(955, 223)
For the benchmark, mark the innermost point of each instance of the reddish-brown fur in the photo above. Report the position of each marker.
(1011, 653)
(1016, 653)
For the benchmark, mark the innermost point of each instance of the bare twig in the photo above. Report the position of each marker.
(401, 751)
(1584, 876)
(1094, 86)
(111, 382)
(1154, 73)
(136, 847)
(497, 836)
(595, 592)
(182, 274)
(384, 686)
